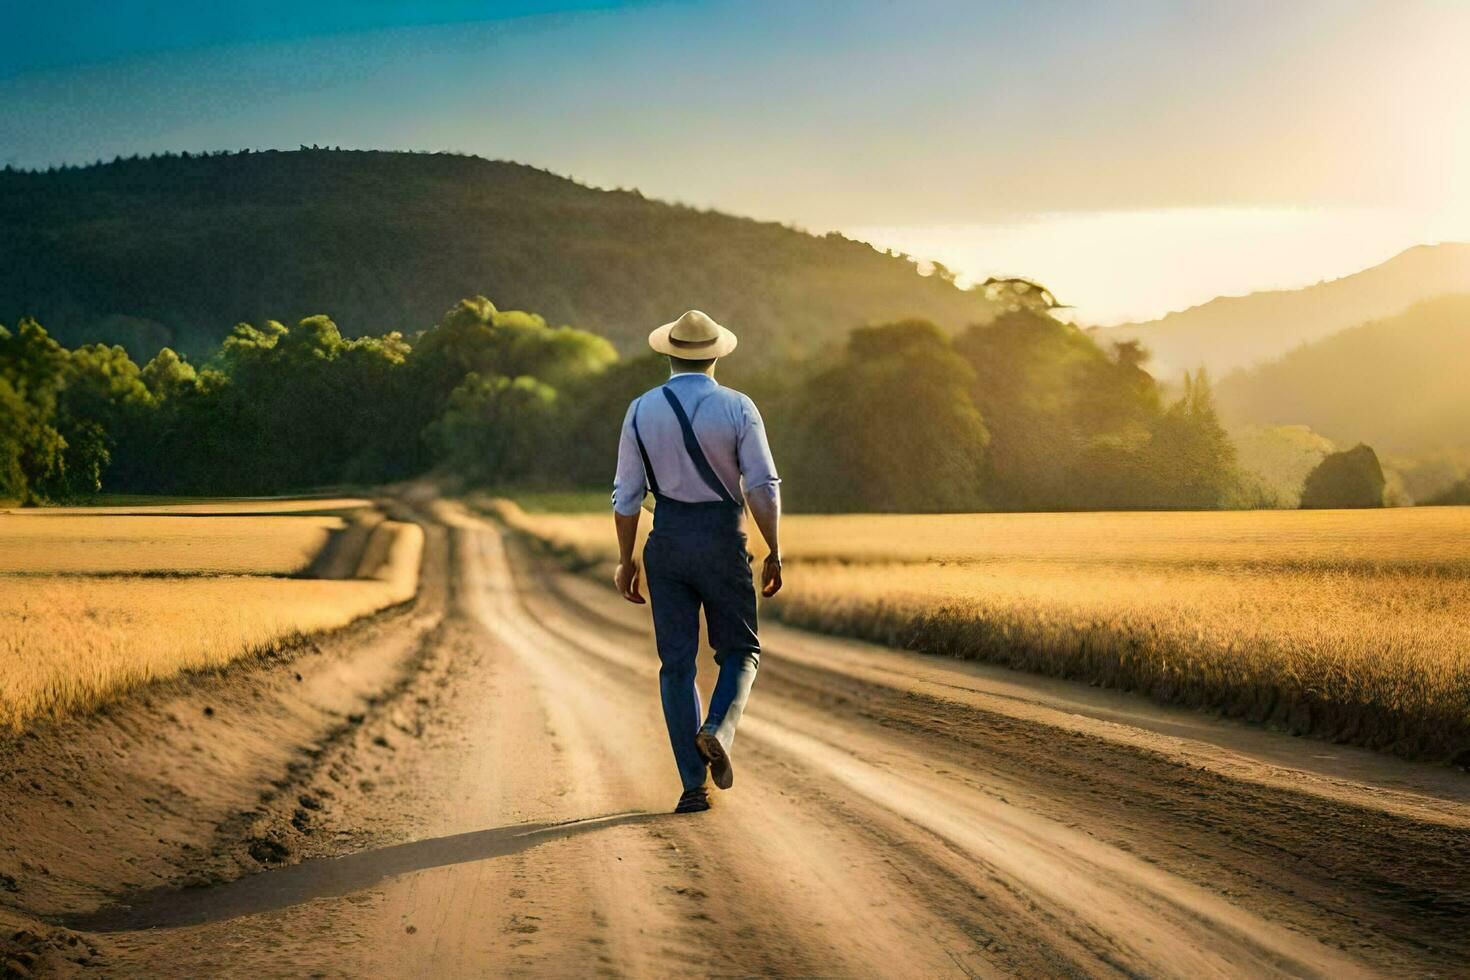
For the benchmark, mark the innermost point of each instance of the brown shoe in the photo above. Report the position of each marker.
(694, 800)
(719, 760)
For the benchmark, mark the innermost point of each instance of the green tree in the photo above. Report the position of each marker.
(32, 369)
(301, 406)
(890, 426)
(1077, 427)
(17, 438)
(167, 375)
(496, 429)
(475, 338)
(102, 402)
(1066, 420)
(1192, 460)
(381, 439)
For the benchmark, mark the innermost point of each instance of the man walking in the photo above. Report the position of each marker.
(692, 442)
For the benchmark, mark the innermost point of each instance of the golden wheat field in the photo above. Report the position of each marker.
(43, 542)
(1349, 624)
(215, 507)
(70, 640)
(1332, 539)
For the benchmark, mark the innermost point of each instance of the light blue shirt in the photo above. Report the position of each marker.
(729, 430)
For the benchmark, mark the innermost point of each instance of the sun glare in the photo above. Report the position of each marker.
(1116, 266)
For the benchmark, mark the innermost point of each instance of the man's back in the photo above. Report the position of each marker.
(728, 428)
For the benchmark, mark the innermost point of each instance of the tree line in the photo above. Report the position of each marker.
(1024, 412)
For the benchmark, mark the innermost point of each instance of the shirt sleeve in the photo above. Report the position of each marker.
(757, 468)
(629, 483)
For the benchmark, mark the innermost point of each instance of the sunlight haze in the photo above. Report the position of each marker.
(1140, 158)
(1117, 266)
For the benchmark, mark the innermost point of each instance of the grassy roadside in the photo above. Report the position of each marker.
(561, 501)
(93, 605)
(1346, 626)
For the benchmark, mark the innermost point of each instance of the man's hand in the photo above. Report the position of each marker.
(771, 576)
(625, 580)
(765, 507)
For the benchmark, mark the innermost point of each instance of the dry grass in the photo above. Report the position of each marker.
(53, 542)
(1412, 538)
(1349, 625)
(1375, 658)
(580, 537)
(69, 642)
(246, 506)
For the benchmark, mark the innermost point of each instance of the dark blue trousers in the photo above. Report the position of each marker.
(696, 559)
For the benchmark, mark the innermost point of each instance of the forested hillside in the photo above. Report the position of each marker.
(1233, 332)
(1399, 384)
(172, 251)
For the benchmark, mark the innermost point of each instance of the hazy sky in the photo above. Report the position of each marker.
(1137, 156)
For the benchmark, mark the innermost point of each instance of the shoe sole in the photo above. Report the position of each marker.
(719, 761)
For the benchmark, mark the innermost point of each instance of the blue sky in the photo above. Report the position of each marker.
(1082, 142)
(63, 33)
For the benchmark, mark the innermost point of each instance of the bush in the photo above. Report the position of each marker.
(1345, 480)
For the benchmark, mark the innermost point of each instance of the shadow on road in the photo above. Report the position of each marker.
(330, 877)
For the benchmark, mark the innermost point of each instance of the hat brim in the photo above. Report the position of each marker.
(723, 343)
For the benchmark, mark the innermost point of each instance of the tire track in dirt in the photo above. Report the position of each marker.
(1126, 914)
(1376, 866)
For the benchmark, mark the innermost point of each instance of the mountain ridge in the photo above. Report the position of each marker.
(1233, 332)
(1396, 383)
(174, 250)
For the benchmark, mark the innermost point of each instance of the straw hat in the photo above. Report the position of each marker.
(694, 337)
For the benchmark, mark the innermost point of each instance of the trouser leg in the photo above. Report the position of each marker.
(676, 629)
(730, 611)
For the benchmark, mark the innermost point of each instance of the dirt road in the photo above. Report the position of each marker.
(892, 816)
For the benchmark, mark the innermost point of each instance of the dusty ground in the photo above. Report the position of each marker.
(478, 786)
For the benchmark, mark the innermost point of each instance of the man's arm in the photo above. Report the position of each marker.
(625, 579)
(629, 486)
(766, 509)
(762, 493)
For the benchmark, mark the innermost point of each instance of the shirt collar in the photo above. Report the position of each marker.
(692, 374)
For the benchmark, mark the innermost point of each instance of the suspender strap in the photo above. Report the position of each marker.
(648, 478)
(691, 446)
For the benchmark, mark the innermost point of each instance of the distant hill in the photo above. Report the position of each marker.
(1398, 384)
(175, 250)
(1241, 331)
